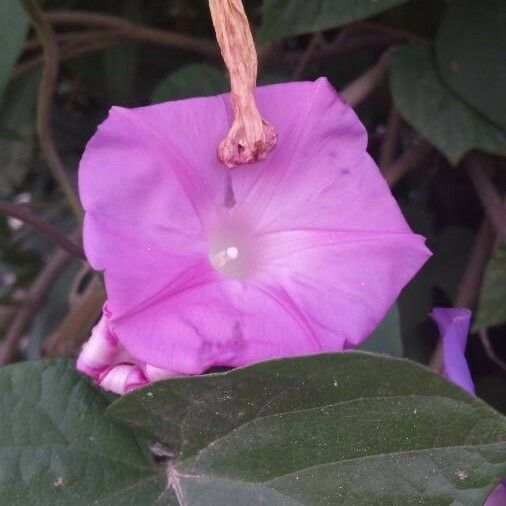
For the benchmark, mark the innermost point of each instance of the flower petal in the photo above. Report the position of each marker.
(144, 199)
(498, 495)
(453, 325)
(223, 324)
(154, 195)
(343, 282)
(320, 174)
(122, 378)
(99, 351)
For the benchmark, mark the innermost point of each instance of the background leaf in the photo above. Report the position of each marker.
(17, 132)
(491, 306)
(471, 52)
(57, 446)
(283, 18)
(120, 63)
(350, 428)
(13, 29)
(433, 109)
(194, 80)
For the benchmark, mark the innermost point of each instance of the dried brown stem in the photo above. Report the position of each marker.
(406, 162)
(132, 30)
(36, 295)
(487, 193)
(250, 137)
(22, 214)
(361, 88)
(46, 90)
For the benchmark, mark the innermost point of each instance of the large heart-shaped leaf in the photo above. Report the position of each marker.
(471, 53)
(13, 28)
(350, 428)
(284, 18)
(436, 111)
(57, 446)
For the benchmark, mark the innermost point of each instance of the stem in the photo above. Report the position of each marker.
(361, 88)
(470, 284)
(132, 30)
(390, 139)
(46, 90)
(409, 160)
(19, 212)
(71, 50)
(489, 350)
(250, 137)
(487, 193)
(313, 45)
(36, 295)
(77, 38)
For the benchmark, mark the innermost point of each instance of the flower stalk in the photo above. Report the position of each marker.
(250, 137)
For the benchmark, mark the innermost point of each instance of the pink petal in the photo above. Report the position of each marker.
(99, 351)
(226, 324)
(356, 272)
(498, 495)
(301, 252)
(141, 201)
(453, 325)
(122, 379)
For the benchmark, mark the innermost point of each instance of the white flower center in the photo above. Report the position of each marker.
(232, 251)
(223, 257)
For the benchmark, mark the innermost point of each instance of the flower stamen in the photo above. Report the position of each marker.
(225, 256)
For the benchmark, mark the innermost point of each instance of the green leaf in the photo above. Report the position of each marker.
(387, 336)
(492, 301)
(57, 446)
(284, 18)
(121, 63)
(349, 428)
(433, 109)
(13, 29)
(194, 80)
(17, 132)
(471, 52)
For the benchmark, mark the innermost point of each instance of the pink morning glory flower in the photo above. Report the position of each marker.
(300, 253)
(453, 324)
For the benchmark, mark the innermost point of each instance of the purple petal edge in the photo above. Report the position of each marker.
(498, 495)
(453, 324)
